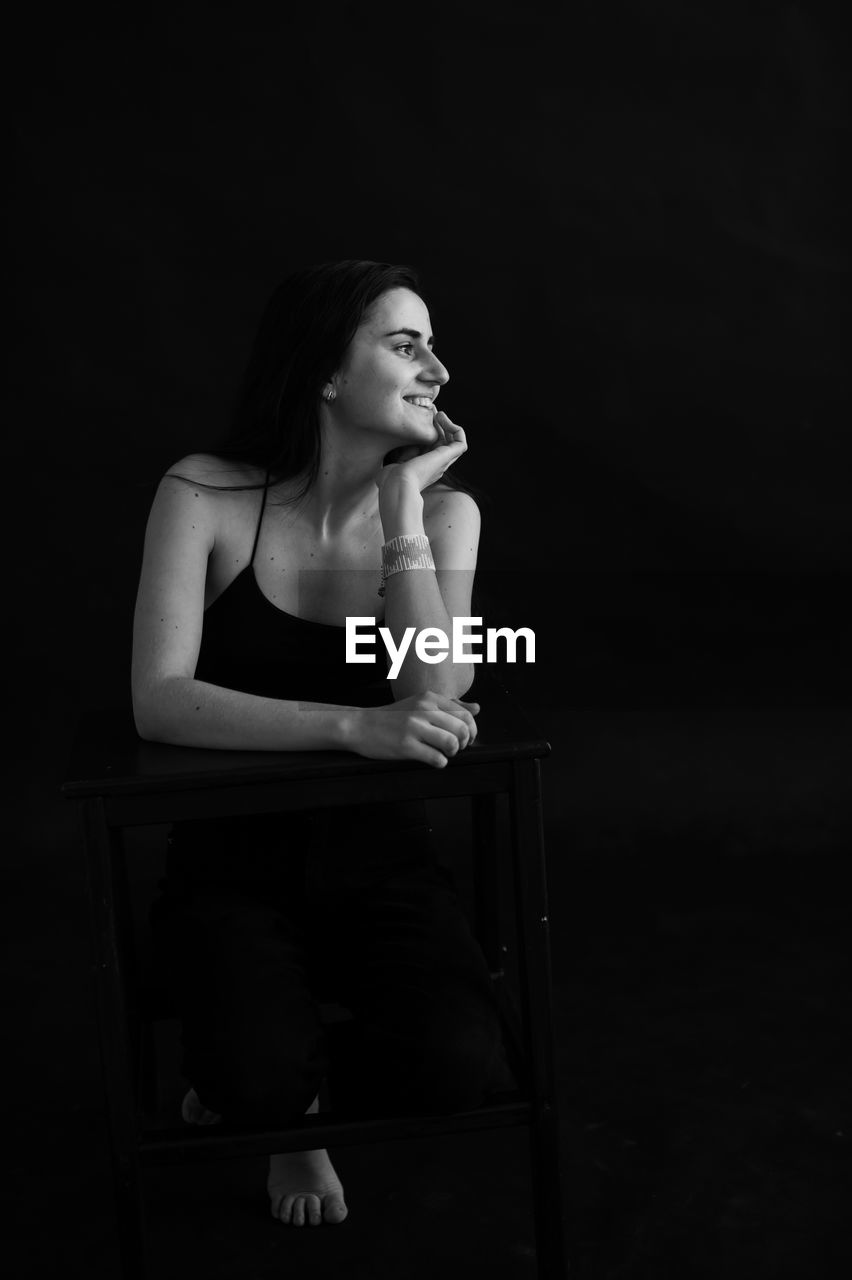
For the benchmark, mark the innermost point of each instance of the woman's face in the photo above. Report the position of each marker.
(389, 377)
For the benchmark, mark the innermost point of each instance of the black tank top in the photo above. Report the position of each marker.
(249, 644)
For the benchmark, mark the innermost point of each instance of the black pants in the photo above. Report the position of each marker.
(260, 920)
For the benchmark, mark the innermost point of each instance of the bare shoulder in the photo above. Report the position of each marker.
(215, 475)
(442, 506)
(217, 487)
(452, 525)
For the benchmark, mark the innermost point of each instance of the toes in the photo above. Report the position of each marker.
(334, 1209)
(282, 1207)
(296, 1209)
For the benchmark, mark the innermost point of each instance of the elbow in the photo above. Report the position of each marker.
(464, 680)
(147, 730)
(148, 712)
(144, 720)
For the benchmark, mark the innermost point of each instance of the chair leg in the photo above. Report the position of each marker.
(148, 1075)
(513, 1038)
(486, 880)
(535, 977)
(548, 1209)
(130, 1217)
(103, 857)
(489, 926)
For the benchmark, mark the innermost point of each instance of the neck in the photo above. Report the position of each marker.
(345, 493)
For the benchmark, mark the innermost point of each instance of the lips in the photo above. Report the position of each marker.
(420, 402)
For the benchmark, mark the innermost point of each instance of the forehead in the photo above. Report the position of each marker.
(397, 309)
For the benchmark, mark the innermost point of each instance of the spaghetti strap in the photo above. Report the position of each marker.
(260, 517)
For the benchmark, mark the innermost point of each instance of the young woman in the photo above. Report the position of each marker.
(326, 502)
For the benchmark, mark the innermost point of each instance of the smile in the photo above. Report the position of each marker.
(420, 402)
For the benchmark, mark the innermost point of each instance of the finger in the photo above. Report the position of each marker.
(442, 739)
(447, 423)
(417, 749)
(469, 710)
(457, 435)
(456, 711)
(462, 728)
(450, 704)
(453, 451)
(447, 438)
(457, 445)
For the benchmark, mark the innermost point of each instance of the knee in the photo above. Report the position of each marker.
(460, 1067)
(268, 1087)
(267, 1096)
(450, 1068)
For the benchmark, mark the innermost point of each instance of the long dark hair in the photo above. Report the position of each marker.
(304, 332)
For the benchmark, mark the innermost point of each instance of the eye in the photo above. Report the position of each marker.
(405, 346)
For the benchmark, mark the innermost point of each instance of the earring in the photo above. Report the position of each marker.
(330, 396)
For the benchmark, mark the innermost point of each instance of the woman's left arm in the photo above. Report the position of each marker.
(411, 502)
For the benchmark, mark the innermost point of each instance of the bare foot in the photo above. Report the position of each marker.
(303, 1187)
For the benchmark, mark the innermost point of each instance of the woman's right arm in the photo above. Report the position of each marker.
(170, 705)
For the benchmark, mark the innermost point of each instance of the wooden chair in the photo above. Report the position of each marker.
(119, 782)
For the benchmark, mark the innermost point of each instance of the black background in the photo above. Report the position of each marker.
(633, 237)
(633, 241)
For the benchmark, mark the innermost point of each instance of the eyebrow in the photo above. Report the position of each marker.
(412, 333)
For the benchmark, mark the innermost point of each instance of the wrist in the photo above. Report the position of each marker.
(404, 552)
(350, 728)
(400, 508)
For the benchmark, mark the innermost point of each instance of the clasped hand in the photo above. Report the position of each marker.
(429, 727)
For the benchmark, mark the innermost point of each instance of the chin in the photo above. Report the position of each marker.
(408, 433)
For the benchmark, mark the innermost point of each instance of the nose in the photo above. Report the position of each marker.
(434, 371)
